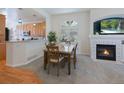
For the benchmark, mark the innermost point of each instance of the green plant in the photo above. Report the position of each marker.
(52, 37)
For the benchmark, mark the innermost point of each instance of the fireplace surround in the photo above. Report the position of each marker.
(116, 40)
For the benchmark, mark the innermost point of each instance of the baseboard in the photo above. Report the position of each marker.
(85, 54)
(17, 65)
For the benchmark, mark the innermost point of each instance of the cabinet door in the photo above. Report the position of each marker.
(2, 28)
(2, 39)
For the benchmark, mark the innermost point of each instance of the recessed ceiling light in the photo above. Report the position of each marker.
(19, 20)
(20, 8)
(34, 24)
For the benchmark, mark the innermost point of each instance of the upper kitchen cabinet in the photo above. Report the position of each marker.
(2, 40)
(36, 29)
(2, 28)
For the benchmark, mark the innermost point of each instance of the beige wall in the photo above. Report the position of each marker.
(82, 18)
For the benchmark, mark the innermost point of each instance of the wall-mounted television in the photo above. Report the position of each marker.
(109, 26)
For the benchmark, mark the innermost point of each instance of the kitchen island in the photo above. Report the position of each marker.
(23, 52)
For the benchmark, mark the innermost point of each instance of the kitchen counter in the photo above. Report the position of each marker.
(17, 41)
(23, 52)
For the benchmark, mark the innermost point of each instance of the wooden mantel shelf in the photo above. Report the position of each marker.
(10, 75)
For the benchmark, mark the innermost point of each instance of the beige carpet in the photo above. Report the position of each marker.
(87, 72)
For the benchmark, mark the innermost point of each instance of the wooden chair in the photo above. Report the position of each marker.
(54, 57)
(74, 56)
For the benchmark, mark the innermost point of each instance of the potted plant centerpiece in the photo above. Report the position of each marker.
(52, 37)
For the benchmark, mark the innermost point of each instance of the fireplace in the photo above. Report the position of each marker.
(106, 52)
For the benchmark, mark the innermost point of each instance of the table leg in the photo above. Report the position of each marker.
(69, 64)
(45, 60)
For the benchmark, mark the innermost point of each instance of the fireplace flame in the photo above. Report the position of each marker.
(106, 52)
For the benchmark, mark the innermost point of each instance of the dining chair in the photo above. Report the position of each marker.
(54, 57)
(74, 56)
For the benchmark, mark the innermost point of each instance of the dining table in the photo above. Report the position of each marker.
(64, 50)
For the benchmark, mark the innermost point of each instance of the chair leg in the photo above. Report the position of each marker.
(75, 58)
(58, 69)
(75, 62)
(48, 68)
(74, 65)
(63, 64)
(53, 65)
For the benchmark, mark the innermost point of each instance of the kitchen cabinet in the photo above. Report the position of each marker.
(36, 30)
(2, 39)
(2, 28)
(2, 51)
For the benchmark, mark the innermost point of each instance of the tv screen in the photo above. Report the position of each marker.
(110, 26)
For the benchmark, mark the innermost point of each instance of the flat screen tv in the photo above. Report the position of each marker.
(109, 26)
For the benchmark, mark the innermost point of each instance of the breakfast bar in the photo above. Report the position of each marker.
(23, 52)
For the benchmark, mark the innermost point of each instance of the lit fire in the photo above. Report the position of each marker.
(106, 52)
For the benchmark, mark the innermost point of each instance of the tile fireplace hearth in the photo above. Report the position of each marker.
(106, 52)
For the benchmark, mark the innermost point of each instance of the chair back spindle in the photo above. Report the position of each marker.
(53, 52)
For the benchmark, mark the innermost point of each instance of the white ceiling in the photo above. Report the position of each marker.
(54, 11)
(29, 15)
(26, 14)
